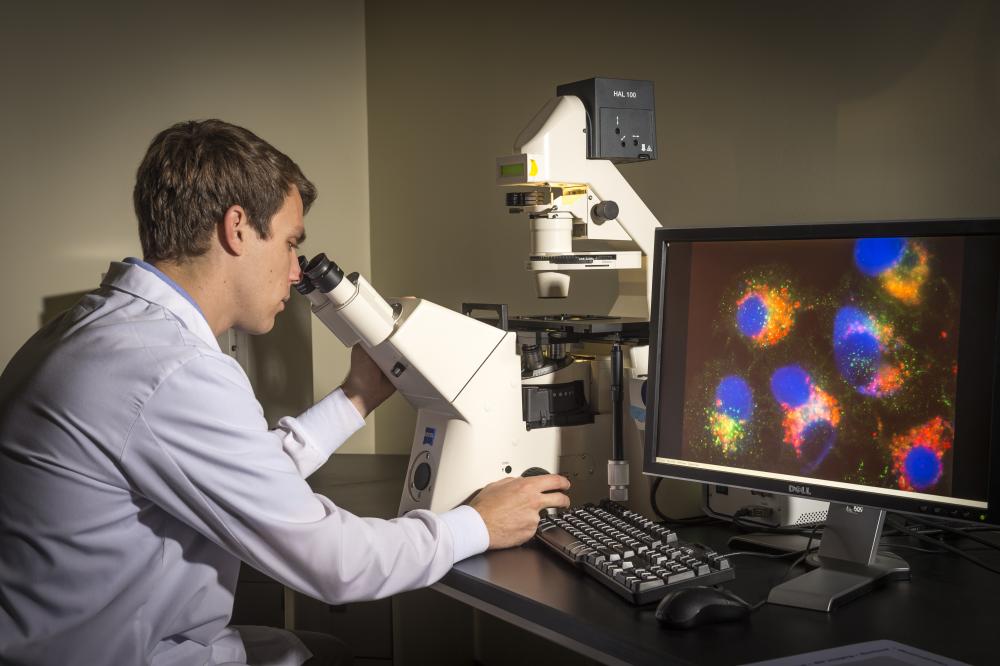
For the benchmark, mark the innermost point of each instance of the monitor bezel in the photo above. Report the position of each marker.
(818, 490)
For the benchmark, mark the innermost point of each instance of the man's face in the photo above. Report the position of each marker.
(272, 268)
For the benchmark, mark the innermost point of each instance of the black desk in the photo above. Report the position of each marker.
(949, 607)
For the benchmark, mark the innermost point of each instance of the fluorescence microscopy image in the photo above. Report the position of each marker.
(728, 421)
(860, 347)
(830, 359)
(901, 265)
(918, 455)
(811, 415)
(764, 313)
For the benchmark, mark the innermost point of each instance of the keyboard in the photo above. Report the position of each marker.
(633, 556)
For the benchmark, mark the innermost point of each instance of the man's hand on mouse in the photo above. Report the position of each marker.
(510, 507)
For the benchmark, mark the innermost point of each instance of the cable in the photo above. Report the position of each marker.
(948, 547)
(951, 530)
(694, 520)
(889, 547)
(803, 556)
(751, 607)
(770, 556)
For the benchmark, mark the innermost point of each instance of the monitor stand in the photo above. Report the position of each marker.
(850, 564)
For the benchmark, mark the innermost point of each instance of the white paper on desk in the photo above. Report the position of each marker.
(871, 653)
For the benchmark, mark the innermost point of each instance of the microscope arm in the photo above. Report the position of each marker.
(554, 154)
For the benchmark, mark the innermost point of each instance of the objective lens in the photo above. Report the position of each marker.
(532, 357)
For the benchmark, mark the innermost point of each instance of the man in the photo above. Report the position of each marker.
(136, 468)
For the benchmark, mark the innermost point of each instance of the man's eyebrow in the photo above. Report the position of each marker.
(301, 238)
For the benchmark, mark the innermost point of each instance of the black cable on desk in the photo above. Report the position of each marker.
(889, 547)
(803, 556)
(941, 544)
(965, 534)
(767, 556)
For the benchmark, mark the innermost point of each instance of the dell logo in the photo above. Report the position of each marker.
(799, 490)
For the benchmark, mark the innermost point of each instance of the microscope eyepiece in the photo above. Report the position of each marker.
(323, 273)
(304, 285)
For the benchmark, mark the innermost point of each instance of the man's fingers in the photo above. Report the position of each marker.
(556, 500)
(549, 482)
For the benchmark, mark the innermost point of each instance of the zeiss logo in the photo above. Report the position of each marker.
(800, 490)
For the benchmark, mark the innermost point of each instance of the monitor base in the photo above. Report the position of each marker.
(828, 587)
(850, 564)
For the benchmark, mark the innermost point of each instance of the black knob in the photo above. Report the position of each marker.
(422, 476)
(604, 211)
(324, 274)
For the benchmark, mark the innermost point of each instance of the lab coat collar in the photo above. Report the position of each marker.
(148, 286)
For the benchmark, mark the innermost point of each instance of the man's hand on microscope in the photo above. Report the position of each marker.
(365, 386)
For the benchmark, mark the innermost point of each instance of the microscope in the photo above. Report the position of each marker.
(461, 375)
(575, 198)
(515, 396)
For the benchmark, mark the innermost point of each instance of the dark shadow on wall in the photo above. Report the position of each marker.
(53, 306)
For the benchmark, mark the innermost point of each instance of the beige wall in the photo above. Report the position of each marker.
(767, 112)
(87, 85)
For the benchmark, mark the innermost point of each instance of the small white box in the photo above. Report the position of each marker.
(768, 509)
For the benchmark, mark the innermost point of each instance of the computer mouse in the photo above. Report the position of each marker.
(695, 606)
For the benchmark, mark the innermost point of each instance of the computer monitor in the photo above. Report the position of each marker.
(852, 363)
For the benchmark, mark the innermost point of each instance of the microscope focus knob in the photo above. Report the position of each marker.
(422, 476)
(604, 211)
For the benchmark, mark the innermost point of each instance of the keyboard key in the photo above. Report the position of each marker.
(682, 576)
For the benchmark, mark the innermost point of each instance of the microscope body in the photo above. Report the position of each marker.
(461, 375)
(465, 383)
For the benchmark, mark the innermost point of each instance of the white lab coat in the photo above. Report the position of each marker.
(137, 470)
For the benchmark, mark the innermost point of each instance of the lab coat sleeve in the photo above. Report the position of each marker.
(200, 449)
(312, 437)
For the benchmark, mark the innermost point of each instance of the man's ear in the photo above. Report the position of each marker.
(234, 230)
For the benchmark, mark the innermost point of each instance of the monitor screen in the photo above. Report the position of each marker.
(851, 363)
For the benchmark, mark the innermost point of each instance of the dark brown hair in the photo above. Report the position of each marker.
(194, 171)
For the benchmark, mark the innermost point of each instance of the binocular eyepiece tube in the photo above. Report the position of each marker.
(350, 307)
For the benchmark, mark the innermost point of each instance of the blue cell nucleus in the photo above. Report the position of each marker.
(734, 398)
(922, 467)
(790, 385)
(751, 315)
(874, 256)
(856, 347)
(858, 358)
